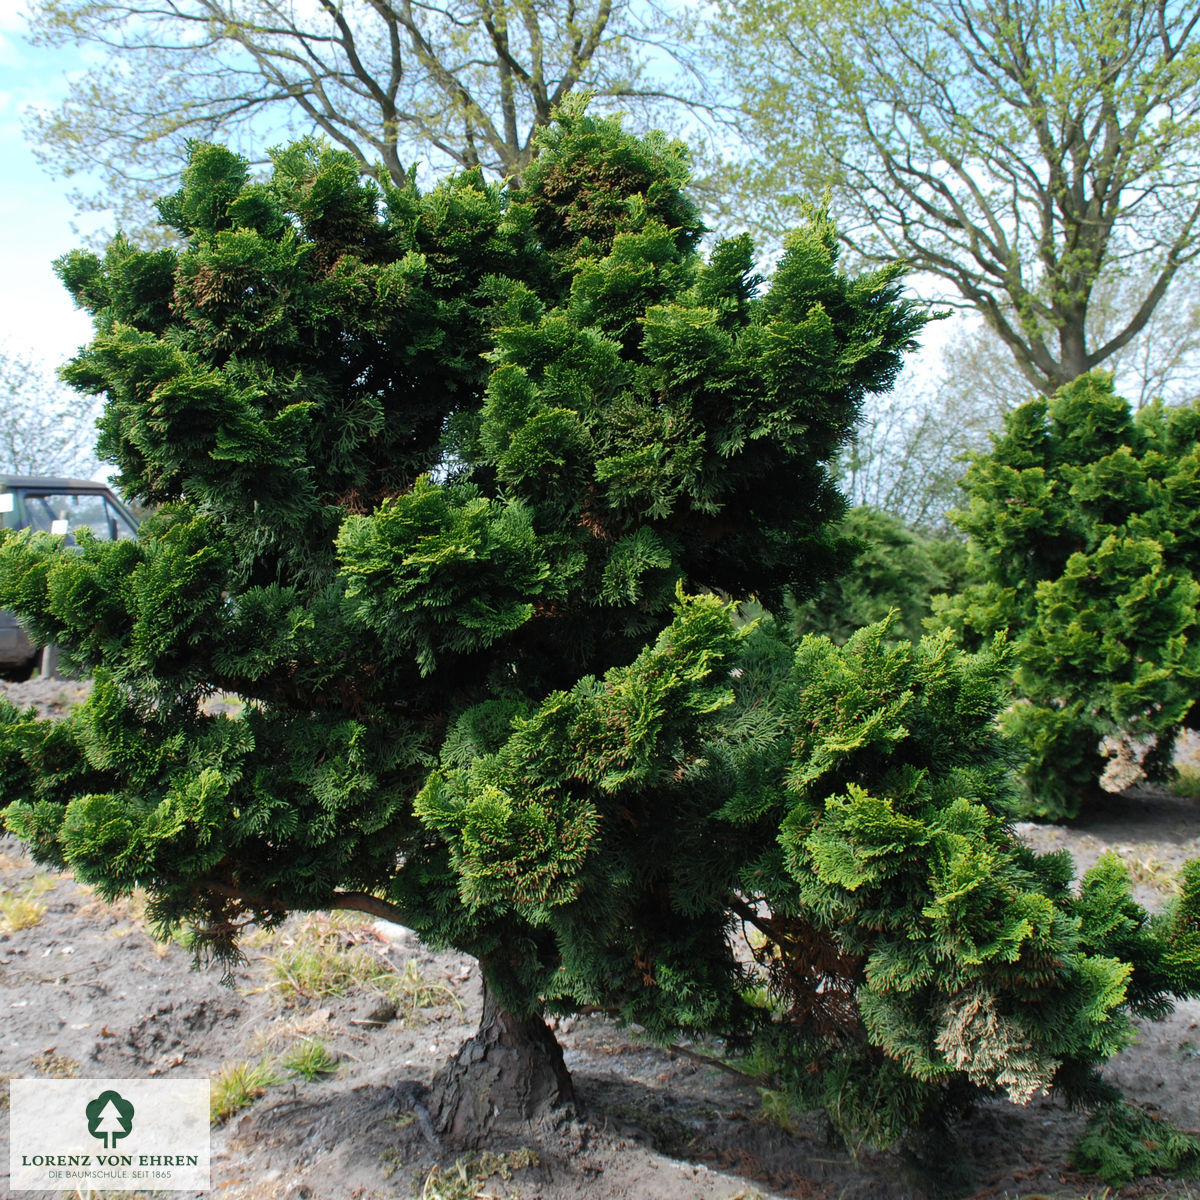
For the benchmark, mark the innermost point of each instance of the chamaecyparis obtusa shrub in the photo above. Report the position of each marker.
(447, 486)
(915, 952)
(1084, 525)
(846, 806)
(421, 462)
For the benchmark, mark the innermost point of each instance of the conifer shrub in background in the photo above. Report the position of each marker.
(1084, 527)
(889, 566)
(450, 490)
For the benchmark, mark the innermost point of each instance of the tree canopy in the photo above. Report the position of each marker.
(451, 488)
(1024, 151)
(426, 468)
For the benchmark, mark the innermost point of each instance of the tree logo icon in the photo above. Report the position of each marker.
(109, 1117)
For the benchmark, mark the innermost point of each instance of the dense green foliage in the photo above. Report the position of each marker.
(891, 567)
(450, 488)
(1084, 528)
(1122, 1142)
(913, 948)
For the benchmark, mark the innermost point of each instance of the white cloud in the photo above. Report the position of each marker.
(12, 18)
(13, 50)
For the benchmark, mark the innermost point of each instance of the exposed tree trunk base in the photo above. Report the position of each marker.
(509, 1078)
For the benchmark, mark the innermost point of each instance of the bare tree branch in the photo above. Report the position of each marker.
(1020, 150)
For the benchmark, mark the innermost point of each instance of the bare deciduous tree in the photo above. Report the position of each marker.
(911, 446)
(44, 428)
(1024, 151)
(462, 82)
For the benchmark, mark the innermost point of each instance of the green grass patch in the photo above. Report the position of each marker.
(776, 1108)
(311, 1059)
(237, 1085)
(315, 970)
(325, 960)
(1186, 782)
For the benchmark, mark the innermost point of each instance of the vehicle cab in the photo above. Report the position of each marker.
(57, 506)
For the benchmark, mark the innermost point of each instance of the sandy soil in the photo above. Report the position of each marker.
(84, 990)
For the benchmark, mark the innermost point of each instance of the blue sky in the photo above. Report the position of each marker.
(38, 317)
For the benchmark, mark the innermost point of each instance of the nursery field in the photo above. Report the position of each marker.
(321, 1050)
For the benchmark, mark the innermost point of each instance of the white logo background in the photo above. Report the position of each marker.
(48, 1120)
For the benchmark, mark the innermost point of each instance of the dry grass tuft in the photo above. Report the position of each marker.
(56, 1066)
(470, 1178)
(328, 958)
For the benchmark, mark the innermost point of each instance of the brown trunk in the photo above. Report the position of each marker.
(509, 1077)
(1072, 340)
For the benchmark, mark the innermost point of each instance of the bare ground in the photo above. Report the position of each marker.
(84, 990)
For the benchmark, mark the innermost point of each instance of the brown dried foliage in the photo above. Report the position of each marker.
(809, 974)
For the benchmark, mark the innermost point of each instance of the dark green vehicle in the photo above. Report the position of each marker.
(58, 506)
